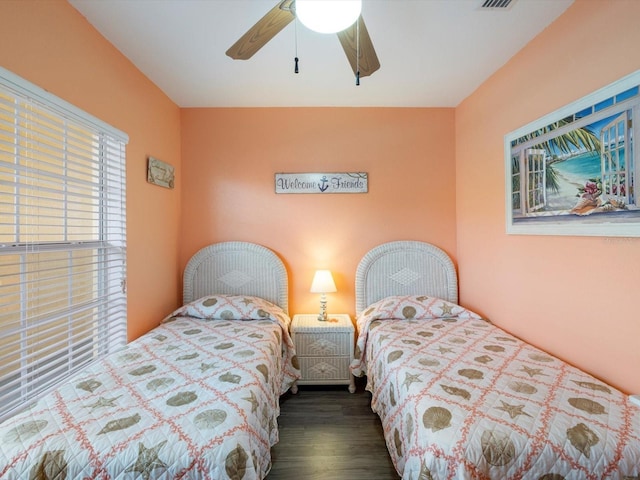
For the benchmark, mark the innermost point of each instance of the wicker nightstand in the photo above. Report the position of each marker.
(324, 349)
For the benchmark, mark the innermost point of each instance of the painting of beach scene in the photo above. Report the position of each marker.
(574, 172)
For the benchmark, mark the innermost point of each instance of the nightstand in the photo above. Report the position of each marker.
(324, 349)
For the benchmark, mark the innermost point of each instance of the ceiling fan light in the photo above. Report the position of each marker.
(328, 16)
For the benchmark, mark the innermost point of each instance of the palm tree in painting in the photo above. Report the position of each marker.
(582, 138)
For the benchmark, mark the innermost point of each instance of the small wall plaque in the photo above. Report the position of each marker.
(160, 173)
(322, 182)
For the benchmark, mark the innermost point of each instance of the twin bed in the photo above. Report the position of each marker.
(459, 398)
(197, 397)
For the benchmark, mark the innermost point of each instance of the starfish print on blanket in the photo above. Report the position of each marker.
(103, 402)
(411, 378)
(513, 410)
(532, 372)
(148, 460)
(253, 400)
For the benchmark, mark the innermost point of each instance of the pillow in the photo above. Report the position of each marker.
(416, 307)
(230, 307)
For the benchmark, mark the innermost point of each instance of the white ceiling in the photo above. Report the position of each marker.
(433, 53)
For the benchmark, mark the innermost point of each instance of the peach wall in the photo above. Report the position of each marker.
(435, 175)
(230, 156)
(51, 45)
(572, 296)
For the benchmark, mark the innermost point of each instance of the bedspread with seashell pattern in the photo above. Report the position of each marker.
(461, 399)
(192, 399)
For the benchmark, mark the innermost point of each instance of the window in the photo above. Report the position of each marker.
(62, 241)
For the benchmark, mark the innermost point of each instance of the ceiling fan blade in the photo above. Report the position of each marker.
(264, 30)
(368, 61)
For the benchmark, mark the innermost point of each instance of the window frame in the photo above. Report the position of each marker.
(95, 321)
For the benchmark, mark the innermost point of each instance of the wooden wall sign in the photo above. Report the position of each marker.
(160, 173)
(322, 183)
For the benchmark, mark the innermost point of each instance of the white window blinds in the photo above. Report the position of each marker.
(62, 241)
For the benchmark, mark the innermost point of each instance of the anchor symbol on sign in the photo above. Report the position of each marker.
(323, 183)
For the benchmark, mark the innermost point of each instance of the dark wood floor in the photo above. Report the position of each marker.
(329, 433)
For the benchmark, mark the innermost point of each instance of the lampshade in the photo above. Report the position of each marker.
(328, 16)
(323, 282)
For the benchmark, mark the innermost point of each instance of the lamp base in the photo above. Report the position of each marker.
(322, 316)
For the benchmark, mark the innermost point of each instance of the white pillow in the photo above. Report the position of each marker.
(416, 307)
(229, 307)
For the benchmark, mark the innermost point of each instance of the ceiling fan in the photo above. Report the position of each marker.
(355, 40)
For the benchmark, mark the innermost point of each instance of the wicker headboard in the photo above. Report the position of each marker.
(236, 268)
(405, 268)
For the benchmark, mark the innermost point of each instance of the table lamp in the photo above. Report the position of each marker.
(323, 283)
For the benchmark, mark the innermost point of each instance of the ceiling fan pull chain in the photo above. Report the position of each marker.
(358, 52)
(295, 24)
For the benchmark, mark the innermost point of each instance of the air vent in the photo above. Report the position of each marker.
(496, 3)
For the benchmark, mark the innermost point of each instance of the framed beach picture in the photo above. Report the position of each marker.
(574, 171)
